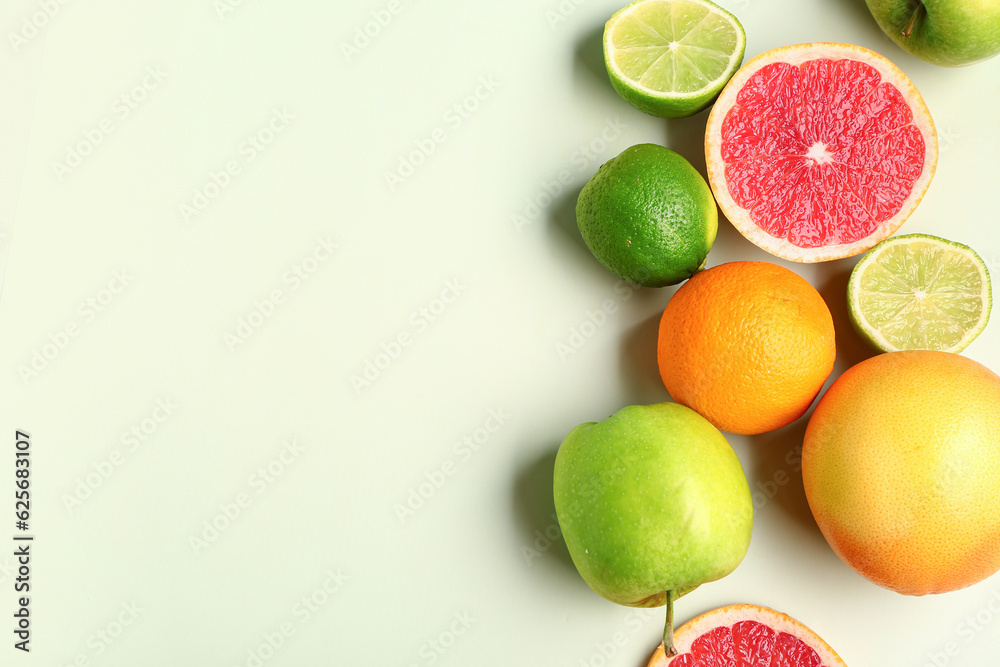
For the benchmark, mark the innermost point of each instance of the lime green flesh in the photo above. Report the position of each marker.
(681, 50)
(672, 57)
(920, 292)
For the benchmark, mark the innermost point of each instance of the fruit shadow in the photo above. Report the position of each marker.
(866, 22)
(832, 278)
(588, 68)
(562, 220)
(588, 62)
(776, 475)
(638, 358)
(860, 6)
(686, 136)
(535, 512)
(568, 243)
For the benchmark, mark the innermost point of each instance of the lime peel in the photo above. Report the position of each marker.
(648, 216)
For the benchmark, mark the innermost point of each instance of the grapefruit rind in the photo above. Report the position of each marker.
(685, 636)
(900, 467)
(873, 336)
(796, 55)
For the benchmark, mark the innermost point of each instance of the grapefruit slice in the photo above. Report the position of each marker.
(819, 151)
(745, 635)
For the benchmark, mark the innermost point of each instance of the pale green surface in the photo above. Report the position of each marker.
(496, 346)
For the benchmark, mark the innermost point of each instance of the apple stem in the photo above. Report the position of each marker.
(668, 628)
(912, 23)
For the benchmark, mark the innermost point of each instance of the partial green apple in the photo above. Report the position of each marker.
(652, 502)
(951, 33)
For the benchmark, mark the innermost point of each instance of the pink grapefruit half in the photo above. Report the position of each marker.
(819, 151)
(746, 635)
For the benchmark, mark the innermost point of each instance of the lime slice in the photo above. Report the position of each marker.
(919, 292)
(671, 58)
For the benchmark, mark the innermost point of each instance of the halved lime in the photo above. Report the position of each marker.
(919, 292)
(671, 58)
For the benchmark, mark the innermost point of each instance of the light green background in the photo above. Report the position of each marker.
(457, 583)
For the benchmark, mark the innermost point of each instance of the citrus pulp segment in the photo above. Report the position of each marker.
(671, 58)
(819, 151)
(920, 292)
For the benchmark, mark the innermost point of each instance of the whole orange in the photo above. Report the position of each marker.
(901, 466)
(748, 345)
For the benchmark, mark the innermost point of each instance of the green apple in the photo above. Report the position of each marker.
(652, 502)
(951, 33)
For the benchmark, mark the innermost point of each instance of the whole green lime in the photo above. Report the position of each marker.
(648, 216)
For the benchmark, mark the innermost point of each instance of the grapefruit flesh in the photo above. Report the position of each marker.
(819, 151)
(746, 636)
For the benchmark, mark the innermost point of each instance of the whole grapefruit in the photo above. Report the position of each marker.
(748, 345)
(901, 466)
